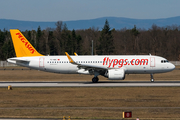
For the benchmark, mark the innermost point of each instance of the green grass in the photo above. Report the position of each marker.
(90, 102)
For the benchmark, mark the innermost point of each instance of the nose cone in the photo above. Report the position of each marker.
(172, 67)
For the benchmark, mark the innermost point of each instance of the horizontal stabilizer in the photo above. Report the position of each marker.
(18, 61)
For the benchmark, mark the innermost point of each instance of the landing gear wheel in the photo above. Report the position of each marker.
(152, 79)
(95, 79)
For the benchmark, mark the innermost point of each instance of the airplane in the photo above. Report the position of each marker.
(113, 67)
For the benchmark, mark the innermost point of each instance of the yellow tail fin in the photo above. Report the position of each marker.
(22, 46)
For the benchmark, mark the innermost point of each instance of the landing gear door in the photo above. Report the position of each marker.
(152, 61)
(41, 62)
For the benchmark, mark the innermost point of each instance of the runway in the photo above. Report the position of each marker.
(90, 84)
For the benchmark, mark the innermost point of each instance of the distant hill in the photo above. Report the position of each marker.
(115, 22)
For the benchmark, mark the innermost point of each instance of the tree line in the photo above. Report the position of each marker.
(161, 41)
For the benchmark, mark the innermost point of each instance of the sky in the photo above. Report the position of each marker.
(67, 10)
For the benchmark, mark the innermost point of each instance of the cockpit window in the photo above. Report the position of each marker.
(164, 61)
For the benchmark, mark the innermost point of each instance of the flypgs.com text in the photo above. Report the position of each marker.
(26, 43)
(121, 62)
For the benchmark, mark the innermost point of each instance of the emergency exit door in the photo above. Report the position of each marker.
(41, 62)
(152, 61)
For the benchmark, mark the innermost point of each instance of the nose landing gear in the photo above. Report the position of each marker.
(152, 78)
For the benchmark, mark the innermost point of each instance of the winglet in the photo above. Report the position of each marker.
(75, 54)
(22, 46)
(70, 59)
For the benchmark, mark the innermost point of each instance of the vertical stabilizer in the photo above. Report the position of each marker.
(22, 46)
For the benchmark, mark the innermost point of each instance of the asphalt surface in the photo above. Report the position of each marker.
(90, 84)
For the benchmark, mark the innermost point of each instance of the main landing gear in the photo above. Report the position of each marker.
(152, 78)
(95, 79)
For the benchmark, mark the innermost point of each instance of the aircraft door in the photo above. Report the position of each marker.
(152, 61)
(41, 62)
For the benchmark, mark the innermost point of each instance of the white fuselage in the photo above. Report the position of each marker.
(132, 64)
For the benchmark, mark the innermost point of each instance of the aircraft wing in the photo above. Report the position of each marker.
(86, 66)
(75, 54)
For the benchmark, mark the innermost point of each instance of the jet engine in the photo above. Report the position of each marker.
(116, 74)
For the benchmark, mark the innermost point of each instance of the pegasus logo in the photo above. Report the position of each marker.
(26, 43)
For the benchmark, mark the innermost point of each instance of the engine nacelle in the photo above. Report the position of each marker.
(116, 74)
(83, 71)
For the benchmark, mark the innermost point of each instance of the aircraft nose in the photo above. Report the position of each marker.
(172, 67)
